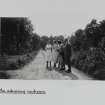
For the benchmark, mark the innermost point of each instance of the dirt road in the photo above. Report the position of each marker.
(36, 70)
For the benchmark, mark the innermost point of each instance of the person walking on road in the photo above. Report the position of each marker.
(67, 55)
(55, 53)
(60, 57)
(48, 55)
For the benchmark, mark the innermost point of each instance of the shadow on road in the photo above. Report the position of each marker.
(4, 75)
(74, 77)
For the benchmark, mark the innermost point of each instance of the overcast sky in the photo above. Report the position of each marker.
(55, 16)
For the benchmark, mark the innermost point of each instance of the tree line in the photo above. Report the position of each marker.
(87, 45)
(17, 37)
(88, 49)
(18, 43)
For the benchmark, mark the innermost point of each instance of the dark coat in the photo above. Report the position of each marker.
(67, 54)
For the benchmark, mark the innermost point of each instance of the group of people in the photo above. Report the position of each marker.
(58, 55)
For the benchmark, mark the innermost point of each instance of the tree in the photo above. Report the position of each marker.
(93, 32)
(16, 35)
(35, 42)
(79, 40)
(90, 47)
(44, 40)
